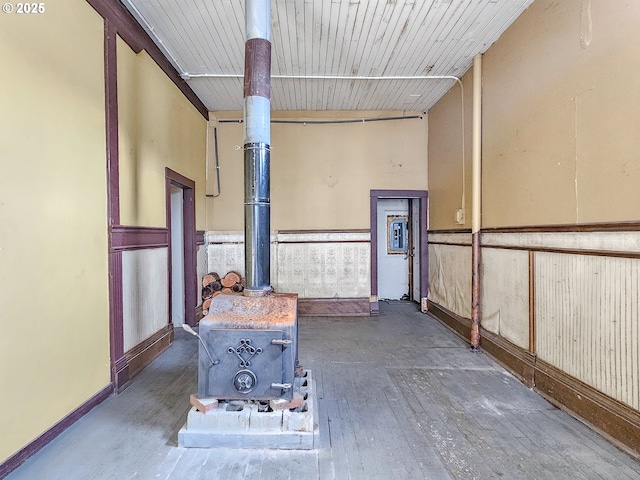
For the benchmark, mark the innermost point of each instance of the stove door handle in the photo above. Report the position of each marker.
(282, 386)
(282, 343)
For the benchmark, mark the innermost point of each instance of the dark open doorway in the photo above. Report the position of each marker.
(184, 280)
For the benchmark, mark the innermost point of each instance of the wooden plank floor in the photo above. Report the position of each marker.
(399, 397)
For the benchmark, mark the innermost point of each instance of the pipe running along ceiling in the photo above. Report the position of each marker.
(330, 55)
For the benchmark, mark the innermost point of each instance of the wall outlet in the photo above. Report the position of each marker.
(460, 216)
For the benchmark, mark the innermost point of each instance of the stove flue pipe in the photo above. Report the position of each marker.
(257, 140)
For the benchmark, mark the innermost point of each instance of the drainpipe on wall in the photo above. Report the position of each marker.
(476, 202)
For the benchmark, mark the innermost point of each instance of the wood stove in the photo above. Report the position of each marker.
(249, 343)
(251, 347)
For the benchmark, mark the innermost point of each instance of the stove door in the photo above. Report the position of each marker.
(248, 364)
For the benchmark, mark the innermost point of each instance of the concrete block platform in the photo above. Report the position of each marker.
(253, 424)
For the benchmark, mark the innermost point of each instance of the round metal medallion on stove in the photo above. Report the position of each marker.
(245, 381)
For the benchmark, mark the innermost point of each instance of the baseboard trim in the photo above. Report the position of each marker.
(613, 419)
(459, 325)
(516, 359)
(333, 307)
(120, 375)
(32, 448)
(147, 351)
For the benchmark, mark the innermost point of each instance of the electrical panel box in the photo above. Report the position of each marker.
(398, 234)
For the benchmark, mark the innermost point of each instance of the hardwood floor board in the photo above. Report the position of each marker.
(398, 396)
(602, 459)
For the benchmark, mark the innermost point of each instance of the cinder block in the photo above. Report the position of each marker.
(202, 421)
(232, 420)
(271, 421)
(229, 427)
(301, 421)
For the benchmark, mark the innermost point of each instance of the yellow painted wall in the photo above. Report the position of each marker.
(450, 157)
(158, 128)
(321, 175)
(560, 135)
(54, 346)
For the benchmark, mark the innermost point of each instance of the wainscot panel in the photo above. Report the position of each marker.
(560, 309)
(587, 320)
(449, 277)
(313, 264)
(145, 294)
(505, 294)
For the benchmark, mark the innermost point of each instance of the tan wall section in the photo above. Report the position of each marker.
(560, 123)
(158, 128)
(321, 175)
(448, 155)
(53, 238)
(560, 118)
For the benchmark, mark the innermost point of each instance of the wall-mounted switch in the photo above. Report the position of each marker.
(460, 216)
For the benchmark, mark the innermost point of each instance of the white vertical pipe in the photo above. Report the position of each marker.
(258, 19)
(476, 152)
(476, 199)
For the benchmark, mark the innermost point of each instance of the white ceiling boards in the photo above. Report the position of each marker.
(401, 39)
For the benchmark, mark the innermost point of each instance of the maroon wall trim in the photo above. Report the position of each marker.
(179, 179)
(571, 228)
(399, 193)
(148, 350)
(455, 244)
(199, 237)
(565, 228)
(333, 307)
(423, 196)
(119, 374)
(373, 254)
(327, 230)
(19, 457)
(125, 237)
(111, 108)
(300, 242)
(451, 230)
(424, 249)
(123, 22)
(134, 35)
(567, 251)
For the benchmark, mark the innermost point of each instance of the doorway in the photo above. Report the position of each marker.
(177, 257)
(399, 254)
(394, 249)
(183, 287)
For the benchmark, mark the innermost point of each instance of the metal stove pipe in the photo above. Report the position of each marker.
(257, 139)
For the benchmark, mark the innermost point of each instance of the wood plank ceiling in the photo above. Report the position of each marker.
(204, 39)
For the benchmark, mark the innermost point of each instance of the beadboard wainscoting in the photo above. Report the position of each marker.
(559, 308)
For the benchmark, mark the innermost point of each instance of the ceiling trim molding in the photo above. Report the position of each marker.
(135, 36)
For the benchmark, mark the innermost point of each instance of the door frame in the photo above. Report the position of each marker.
(423, 197)
(189, 240)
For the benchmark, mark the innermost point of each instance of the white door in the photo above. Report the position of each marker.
(177, 257)
(393, 244)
